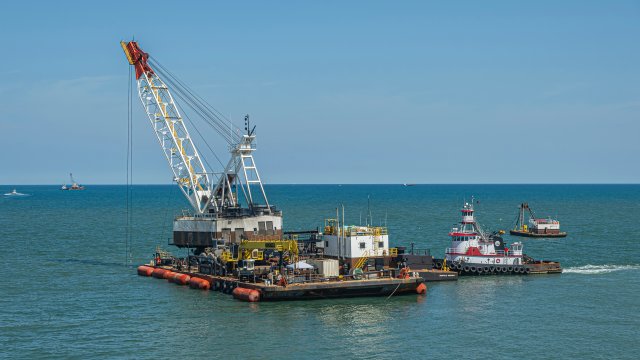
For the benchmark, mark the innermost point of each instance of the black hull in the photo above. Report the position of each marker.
(537, 267)
(534, 235)
(436, 275)
(339, 292)
(318, 290)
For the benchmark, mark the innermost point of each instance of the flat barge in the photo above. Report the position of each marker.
(371, 284)
(537, 227)
(537, 235)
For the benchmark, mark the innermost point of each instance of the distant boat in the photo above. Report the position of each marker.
(537, 227)
(408, 184)
(74, 185)
(15, 193)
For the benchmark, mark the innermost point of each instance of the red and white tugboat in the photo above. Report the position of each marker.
(474, 252)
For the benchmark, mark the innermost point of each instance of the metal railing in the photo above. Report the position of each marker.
(498, 252)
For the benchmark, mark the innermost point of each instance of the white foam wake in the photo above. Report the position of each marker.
(599, 269)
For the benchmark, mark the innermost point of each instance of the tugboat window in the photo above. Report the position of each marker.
(361, 245)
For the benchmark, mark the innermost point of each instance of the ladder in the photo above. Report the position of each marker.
(362, 260)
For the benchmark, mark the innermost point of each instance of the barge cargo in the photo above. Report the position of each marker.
(365, 247)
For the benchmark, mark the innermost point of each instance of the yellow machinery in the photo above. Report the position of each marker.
(331, 226)
(254, 249)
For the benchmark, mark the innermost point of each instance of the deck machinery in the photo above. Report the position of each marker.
(228, 206)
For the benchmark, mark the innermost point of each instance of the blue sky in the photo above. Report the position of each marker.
(341, 92)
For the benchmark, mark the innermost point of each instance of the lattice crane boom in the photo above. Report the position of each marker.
(188, 169)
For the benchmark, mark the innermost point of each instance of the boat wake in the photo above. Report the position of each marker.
(599, 269)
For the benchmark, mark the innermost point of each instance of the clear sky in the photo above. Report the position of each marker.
(340, 91)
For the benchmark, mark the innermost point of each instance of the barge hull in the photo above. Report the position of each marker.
(331, 290)
(314, 290)
(437, 275)
(536, 235)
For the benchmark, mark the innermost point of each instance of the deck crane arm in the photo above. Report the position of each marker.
(520, 220)
(183, 158)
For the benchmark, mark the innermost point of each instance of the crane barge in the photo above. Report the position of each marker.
(234, 231)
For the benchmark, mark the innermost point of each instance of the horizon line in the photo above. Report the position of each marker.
(348, 184)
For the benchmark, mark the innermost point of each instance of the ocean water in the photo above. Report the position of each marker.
(68, 290)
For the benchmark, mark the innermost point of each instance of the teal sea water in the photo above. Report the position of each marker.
(67, 293)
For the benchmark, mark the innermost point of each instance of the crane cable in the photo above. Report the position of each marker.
(166, 220)
(207, 112)
(182, 92)
(129, 212)
(214, 112)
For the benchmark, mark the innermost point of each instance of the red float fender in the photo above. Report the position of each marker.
(194, 283)
(180, 279)
(199, 283)
(246, 294)
(158, 273)
(145, 270)
(168, 275)
(205, 284)
(421, 289)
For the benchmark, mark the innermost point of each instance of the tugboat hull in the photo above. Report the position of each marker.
(536, 267)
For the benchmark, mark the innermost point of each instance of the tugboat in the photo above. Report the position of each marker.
(474, 252)
(541, 228)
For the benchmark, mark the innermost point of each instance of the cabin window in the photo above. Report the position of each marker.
(362, 246)
(326, 244)
(381, 244)
(269, 225)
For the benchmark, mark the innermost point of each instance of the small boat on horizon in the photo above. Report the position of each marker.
(14, 192)
(74, 184)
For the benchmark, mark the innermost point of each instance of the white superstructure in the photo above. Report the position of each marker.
(350, 241)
